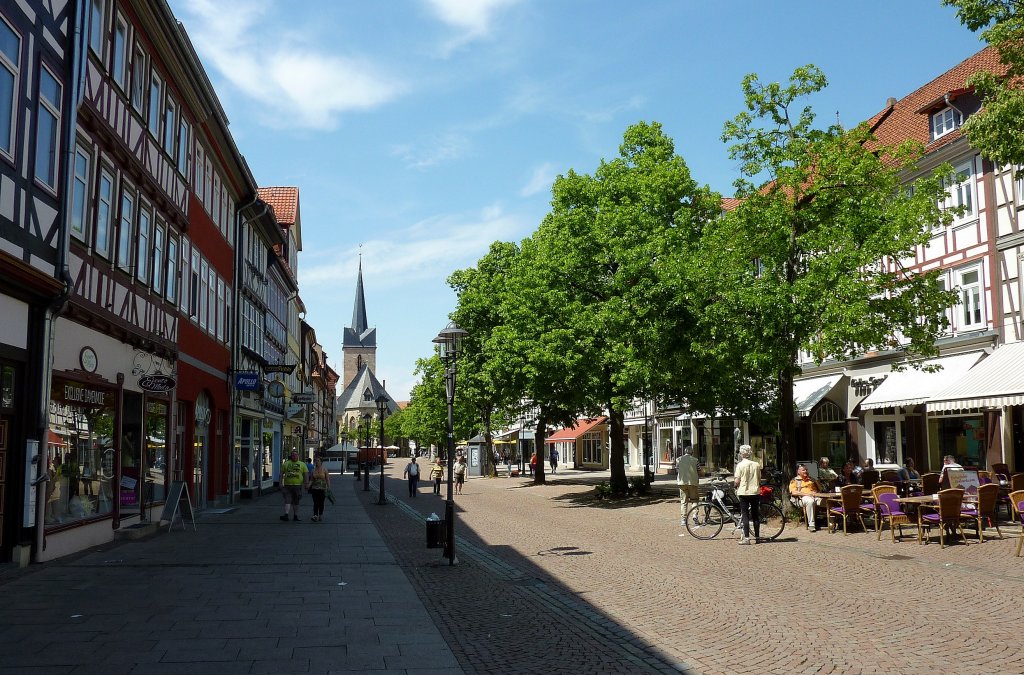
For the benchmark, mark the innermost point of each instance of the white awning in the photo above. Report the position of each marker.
(913, 386)
(808, 393)
(995, 382)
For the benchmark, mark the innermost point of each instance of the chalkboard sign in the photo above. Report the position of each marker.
(177, 500)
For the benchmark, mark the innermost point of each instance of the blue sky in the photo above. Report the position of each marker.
(423, 130)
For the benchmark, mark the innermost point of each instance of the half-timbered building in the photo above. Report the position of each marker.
(37, 61)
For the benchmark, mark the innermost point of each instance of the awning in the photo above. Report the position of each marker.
(574, 432)
(808, 393)
(995, 382)
(913, 386)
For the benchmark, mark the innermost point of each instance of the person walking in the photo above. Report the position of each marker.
(460, 474)
(412, 472)
(437, 475)
(687, 478)
(748, 489)
(553, 458)
(294, 478)
(533, 463)
(319, 484)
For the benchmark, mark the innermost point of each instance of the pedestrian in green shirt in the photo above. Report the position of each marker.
(294, 479)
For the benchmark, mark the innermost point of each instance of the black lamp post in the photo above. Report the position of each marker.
(449, 342)
(343, 437)
(382, 408)
(366, 453)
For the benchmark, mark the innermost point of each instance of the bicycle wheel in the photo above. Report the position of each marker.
(704, 520)
(772, 521)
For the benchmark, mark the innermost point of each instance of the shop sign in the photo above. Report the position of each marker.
(303, 397)
(157, 383)
(72, 393)
(247, 381)
(279, 368)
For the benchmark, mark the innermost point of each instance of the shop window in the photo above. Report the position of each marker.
(80, 453)
(155, 459)
(592, 448)
(960, 436)
(133, 440)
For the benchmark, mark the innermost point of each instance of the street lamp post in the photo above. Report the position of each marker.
(343, 437)
(449, 341)
(366, 454)
(382, 408)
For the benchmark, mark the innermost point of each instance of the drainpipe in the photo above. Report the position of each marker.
(56, 307)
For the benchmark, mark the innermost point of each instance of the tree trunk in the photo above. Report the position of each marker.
(538, 448)
(616, 450)
(787, 423)
(487, 466)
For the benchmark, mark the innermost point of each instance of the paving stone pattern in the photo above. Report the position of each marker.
(552, 581)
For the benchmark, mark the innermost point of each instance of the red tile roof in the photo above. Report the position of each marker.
(908, 118)
(574, 432)
(284, 200)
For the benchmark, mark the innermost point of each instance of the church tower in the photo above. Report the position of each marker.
(359, 342)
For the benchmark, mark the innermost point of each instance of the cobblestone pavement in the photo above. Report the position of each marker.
(551, 581)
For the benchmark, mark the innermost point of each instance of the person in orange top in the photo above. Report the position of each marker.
(801, 490)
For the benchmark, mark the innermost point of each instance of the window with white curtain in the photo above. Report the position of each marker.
(971, 314)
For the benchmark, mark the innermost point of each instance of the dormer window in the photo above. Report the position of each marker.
(367, 394)
(945, 121)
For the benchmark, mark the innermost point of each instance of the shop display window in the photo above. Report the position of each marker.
(156, 450)
(80, 453)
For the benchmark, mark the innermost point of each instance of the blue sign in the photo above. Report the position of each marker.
(247, 381)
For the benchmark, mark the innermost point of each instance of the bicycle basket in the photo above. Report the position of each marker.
(766, 493)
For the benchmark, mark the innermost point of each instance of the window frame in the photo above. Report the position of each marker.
(119, 62)
(171, 276)
(954, 122)
(159, 247)
(126, 228)
(184, 136)
(143, 246)
(170, 115)
(15, 71)
(965, 323)
(139, 79)
(962, 192)
(45, 106)
(108, 227)
(80, 194)
(96, 28)
(154, 116)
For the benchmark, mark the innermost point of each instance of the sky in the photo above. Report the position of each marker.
(420, 131)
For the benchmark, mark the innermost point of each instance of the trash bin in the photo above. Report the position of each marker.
(435, 534)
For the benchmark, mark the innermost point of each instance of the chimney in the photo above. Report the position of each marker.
(890, 102)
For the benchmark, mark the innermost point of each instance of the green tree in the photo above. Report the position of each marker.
(603, 263)
(814, 256)
(426, 417)
(996, 130)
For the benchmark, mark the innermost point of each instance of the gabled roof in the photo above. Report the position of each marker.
(908, 118)
(362, 393)
(581, 427)
(284, 200)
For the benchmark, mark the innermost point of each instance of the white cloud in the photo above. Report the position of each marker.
(429, 249)
(297, 86)
(471, 18)
(541, 179)
(444, 149)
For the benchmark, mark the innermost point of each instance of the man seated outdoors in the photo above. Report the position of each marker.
(825, 474)
(949, 463)
(801, 491)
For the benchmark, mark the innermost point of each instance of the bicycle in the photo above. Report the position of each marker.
(705, 519)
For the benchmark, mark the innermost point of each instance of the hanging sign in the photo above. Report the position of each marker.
(247, 381)
(303, 397)
(157, 383)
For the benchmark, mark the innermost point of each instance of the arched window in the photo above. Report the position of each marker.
(827, 412)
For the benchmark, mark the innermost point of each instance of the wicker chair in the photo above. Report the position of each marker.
(930, 483)
(889, 511)
(1017, 482)
(848, 508)
(1017, 500)
(890, 476)
(1001, 468)
(868, 478)
(949, 513)
(870, 508)
(985, 509)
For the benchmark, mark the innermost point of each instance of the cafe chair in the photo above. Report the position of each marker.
(930, 483)
(984, 509)
(949, 514)
(1001, 468)
(1017, 482)
(850, 496)
(890, 476)
(870, 508)
(1018, 505)
(889, 511)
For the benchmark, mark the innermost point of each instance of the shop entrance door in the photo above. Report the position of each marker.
(10, 380)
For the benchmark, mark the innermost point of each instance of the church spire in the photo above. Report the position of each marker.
(359, 322)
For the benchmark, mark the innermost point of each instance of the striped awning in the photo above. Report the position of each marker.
(995, 382)
(914, 386)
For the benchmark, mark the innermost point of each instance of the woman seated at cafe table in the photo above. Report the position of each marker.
(801, 491)
(825, 474)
